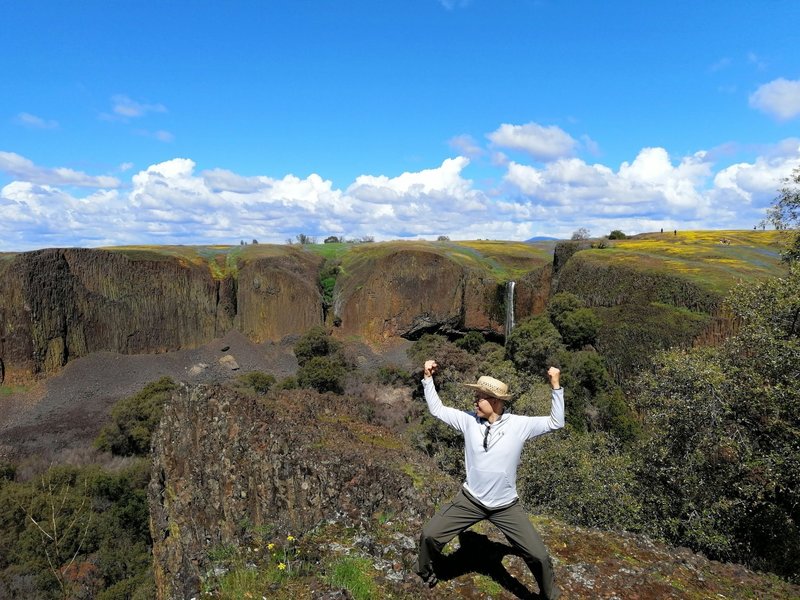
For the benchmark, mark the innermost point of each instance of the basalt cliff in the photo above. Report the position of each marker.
(60, 304)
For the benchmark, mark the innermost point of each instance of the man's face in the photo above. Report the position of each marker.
(484, 405)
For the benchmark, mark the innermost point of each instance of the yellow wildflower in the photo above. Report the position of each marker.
(282, 566)
(289, 538)
(270, 546)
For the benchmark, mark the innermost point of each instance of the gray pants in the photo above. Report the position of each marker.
(512, 520)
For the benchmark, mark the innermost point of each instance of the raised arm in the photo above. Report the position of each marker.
(539, 425)
(452, 416)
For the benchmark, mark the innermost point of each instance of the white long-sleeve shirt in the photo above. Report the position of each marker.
(492, 473)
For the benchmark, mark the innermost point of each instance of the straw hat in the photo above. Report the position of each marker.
(491, 387)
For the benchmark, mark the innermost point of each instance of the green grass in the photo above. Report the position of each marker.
(330, 251)
(353, 574)
(11, 389)
(502, 260)
(712, 260)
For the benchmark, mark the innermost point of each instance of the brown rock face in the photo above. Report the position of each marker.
(279, 295)
(222, 459)
(59, 304)
(409, 292)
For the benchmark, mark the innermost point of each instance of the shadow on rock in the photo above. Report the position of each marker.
(478, 554)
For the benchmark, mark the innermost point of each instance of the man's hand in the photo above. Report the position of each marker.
(430, 368)
(554, 375)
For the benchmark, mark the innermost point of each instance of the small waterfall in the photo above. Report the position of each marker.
(509, 308)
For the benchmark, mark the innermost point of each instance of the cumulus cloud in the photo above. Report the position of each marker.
(542, 143)
(779, 98)
(174, 202)
(24, 169)
(653, 191)
(34, 122)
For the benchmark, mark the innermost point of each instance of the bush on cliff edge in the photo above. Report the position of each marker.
(134, 419)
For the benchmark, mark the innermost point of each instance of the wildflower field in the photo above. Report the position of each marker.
(714, 260)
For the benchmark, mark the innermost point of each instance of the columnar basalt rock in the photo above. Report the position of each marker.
(222, 459)
(60, 304)
(280, 295)
(410, 292)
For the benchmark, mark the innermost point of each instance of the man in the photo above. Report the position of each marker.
(493, 441)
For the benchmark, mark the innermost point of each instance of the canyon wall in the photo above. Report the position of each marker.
(60, 304)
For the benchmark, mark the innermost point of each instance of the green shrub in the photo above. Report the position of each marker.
(579, 328)
(322, 373)
(472, 342)
(456, 365)
(315, 342)
(581, 478)
(393, 375)
(720, 466)
(97, 517)
(534, 345)
(134, 419)
(259, 381)
(288, 383)
(617, 235)
(561, 304)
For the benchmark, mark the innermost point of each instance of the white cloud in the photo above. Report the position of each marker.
(171, 202)
(542, 143)
(34, 122)
(653, 191)
(24, 169)
(779, 98)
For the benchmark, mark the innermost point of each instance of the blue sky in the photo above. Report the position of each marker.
(212, 122)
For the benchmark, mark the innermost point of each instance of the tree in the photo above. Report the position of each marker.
(443, 238)
(302, 238)
(534, 344)
(134, 419)
(785, 213)
(580, 234)
(322, 373)
(617, 235)
(579, 328)
(259, 381)
(720, 468)
(316, 342)
(332, 239)
(471, 342)
(561, 304)
(577, 324)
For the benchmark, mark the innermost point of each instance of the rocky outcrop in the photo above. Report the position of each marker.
(225, 465)
(60, 304)
(227, 468)
(410, 292)
(279, 295)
